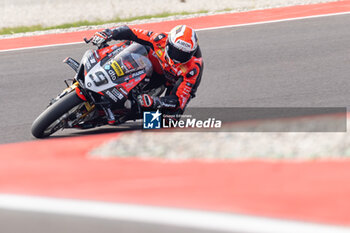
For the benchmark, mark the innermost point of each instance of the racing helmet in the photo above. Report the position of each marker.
(181, 44)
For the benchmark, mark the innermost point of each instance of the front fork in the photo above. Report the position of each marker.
(81, 95)
(75, 87)
(107, 110)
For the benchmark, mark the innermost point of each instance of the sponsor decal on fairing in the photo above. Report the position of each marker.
(116, 67)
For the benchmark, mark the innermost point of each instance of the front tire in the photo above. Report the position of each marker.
(52, 113)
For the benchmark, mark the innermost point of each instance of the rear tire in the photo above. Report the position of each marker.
(54, 112)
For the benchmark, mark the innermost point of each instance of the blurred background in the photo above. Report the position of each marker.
(55, 12)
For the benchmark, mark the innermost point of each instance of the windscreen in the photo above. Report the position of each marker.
(132, 59)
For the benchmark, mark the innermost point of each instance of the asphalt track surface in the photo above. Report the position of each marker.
(67, 223)
(302, 63)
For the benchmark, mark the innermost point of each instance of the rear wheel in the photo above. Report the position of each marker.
(52, 119)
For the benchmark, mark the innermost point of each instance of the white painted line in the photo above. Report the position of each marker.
(202, 29)
(163, 216)
(41, 46)
(273, 21)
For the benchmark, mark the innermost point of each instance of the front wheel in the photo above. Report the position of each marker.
(50, 120)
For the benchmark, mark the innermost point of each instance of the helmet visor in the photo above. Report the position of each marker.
(177, 55)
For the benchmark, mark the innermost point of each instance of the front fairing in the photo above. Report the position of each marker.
(114, 77)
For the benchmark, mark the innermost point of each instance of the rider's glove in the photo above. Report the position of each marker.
(147, 101)
(101, 37)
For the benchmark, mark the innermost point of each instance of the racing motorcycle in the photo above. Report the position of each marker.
(103, 91)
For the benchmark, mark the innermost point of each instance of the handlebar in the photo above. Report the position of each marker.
(103, 45)
(88, 40)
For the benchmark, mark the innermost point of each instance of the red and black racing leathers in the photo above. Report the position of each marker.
(182, 80)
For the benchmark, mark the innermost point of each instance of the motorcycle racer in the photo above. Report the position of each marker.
(176, 59)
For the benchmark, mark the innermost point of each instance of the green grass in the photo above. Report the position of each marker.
(21, 29)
